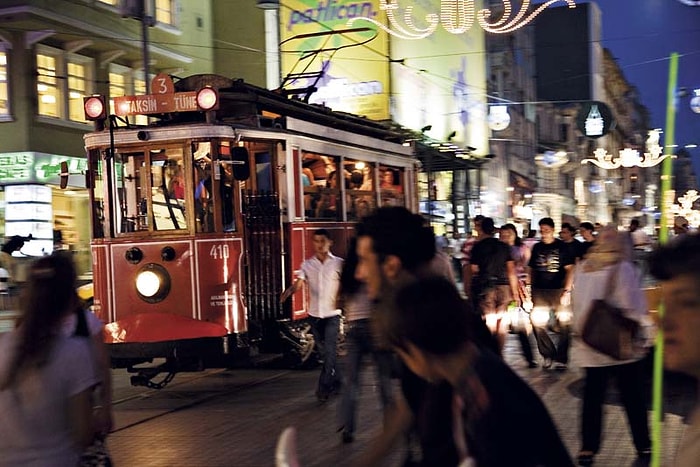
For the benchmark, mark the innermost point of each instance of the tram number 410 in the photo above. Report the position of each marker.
(219, 251)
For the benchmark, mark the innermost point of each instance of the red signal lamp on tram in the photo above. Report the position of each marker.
(95, 108)
(207, 99)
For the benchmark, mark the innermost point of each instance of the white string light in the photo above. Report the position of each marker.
(629, 157)
(456, 17)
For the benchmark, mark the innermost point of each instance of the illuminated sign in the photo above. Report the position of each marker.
(456, 17)
(156, 103)
(348, 69)
(594, 119)
(35, 167)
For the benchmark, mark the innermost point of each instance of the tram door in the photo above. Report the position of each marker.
(263, 235)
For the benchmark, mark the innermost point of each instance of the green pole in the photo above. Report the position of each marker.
(666, 201)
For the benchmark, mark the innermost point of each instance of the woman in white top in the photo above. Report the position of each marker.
(46, 379)
(608, 267)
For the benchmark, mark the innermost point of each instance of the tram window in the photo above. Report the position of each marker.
(263, 171)
(132, 209)
(168, 190)
(95, 183)
(203, 185)
(227, 183)
(321, 186)
(391, 189)
(360, 191)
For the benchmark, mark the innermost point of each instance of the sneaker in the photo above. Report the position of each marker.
(532, 364)
(547, 363)
(559, 366)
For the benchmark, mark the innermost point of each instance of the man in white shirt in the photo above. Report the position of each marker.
(321, 273)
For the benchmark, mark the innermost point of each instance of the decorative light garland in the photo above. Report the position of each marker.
(456, 17)
(630, 157)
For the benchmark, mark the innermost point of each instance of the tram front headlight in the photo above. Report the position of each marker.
(153, 283)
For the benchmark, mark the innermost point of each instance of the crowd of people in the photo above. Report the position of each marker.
(457, 400)
(442, 309)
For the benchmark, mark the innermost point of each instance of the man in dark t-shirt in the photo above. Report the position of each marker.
(494, 282)
(550, 274)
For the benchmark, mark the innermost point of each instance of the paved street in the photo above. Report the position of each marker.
(233, 418)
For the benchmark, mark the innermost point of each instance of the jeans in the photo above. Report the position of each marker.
(550, 299)
(630, 383)
(359, 342)
(325, 332)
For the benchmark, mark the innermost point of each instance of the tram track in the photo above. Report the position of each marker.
(209, 396)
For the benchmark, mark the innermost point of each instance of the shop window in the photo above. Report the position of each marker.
(360, 189)
(391, 186)
(320, 178)
(4, 94)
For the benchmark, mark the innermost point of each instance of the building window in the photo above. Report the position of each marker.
(47, 89)
(77, 90)
(124, 81)
(4, 95)
(164, 11)
(62, 82)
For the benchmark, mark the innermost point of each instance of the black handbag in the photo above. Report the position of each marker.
(608, 330)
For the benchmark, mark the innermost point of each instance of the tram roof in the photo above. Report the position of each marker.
(239, 99)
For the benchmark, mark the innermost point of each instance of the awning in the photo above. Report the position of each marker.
(442, 157)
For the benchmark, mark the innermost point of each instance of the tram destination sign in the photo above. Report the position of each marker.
(156, 103)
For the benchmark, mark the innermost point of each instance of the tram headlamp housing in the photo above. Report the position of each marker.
(207, 99)
(153, 283)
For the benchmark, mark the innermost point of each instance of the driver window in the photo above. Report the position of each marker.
(204, 217)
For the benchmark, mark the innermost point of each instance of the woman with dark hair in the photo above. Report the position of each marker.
(46, 380)
(521, 255)
(357, 308)
(437, 336)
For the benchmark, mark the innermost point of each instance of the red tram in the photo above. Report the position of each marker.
(200, 217)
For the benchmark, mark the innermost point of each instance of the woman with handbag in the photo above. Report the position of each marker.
(608, 276)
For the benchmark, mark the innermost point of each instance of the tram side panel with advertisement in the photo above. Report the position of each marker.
(200, 218)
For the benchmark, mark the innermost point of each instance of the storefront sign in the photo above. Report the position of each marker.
(36, 167)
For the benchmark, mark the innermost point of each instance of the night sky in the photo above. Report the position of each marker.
(642, 34)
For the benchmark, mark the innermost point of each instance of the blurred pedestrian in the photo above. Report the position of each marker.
(567, 234)
(494, 283)
(608, 273)
(521, 255)
(321, 273)
(496, 419)
(677, 266)
(549, 274)
(586, 230)
(394, 246)
(467, 246)
(46, 379)
(457, 255)
(357, 308)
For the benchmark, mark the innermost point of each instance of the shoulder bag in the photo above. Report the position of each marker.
(607, 329)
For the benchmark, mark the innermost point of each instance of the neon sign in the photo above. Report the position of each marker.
(456, 17)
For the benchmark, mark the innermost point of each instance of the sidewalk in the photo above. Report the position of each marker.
(562, 393)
